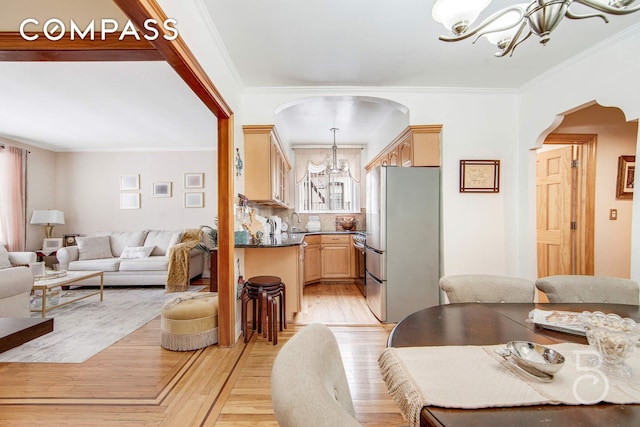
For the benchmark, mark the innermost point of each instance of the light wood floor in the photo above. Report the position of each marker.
(136, 382)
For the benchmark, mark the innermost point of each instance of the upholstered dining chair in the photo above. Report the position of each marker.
(595, 289)
(487, 288)
(308, 382)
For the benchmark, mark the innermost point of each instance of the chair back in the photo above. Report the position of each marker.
(308, 382)
(487, 288)
(593, 289)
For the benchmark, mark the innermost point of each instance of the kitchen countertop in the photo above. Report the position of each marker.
(289, 239)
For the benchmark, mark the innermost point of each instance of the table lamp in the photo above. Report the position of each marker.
(48, 218)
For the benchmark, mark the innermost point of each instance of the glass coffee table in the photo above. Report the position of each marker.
(44, 287)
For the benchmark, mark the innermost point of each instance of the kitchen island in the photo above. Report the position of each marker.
(282, 256)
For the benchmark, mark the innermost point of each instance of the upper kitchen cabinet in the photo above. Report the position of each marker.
(415, 146)
(266, 165)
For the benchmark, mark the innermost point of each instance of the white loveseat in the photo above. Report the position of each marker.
(15, 283)
(128, 258)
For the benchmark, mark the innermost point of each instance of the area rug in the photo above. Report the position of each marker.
(86, 327)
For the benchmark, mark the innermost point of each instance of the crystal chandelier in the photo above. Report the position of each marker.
(512, 25)
(333, 167)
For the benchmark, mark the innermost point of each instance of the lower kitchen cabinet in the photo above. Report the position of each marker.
(312, 260)
(329, 257)
(335, 254)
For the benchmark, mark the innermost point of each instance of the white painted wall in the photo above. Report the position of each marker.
(608, 75)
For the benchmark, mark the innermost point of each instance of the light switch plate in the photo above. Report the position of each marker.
(613, 214)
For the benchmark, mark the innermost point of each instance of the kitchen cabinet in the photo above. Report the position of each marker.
(335, 255)
(312, 261)
(266, 166)
(415, 146)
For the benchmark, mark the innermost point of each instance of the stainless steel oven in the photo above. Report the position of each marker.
(359, 240)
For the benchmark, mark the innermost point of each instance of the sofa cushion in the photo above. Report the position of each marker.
(162, 240)
(153, 263)
(122, 239)
(104, 264)
(94, 247)
(135, 252)
(4, 257)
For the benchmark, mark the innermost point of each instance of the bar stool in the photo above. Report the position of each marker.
(264, 291)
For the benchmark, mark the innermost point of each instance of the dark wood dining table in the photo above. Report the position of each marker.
(486, 324)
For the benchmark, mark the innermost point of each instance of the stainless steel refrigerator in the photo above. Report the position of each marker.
(403, 241)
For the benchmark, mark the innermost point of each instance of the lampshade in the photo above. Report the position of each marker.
(458, 15)
(47, 217)
(509, 19)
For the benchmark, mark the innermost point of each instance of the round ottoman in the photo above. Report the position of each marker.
(190, 322)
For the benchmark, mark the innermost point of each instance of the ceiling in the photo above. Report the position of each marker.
(277, 43)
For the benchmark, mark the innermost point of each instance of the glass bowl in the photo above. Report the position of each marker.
(614, 338)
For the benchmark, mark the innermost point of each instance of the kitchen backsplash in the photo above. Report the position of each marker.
(327, 221)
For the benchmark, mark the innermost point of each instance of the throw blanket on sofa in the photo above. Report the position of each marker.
(179, 256)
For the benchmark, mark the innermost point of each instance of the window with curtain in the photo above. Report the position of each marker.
(13, 168)
(321, 190)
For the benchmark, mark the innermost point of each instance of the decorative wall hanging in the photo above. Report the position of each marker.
(626, 176)
(479, 176)
(238, 163)
(194, 200)
(162, 189)
(129, 182)
(129, 200)
(194, 180)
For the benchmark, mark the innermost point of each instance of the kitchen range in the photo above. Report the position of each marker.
(359, 243)
(402, 241)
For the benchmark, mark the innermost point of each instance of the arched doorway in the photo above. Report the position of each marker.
(601, 237)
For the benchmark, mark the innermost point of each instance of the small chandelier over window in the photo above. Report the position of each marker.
(512, 25)
(333, 166)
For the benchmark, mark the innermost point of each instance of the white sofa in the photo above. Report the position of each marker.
(128, 258)
(15, 283)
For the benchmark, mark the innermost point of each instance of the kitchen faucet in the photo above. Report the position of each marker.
(291, 218)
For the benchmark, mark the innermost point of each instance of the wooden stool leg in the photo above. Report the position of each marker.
(244, 320)
(274, 319)
(263, 314)
(283, 305)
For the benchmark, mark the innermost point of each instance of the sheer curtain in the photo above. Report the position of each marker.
(13, 163)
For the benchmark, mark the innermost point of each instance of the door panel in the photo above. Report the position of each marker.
(554, 183)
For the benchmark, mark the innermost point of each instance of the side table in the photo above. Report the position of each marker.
(41, 254)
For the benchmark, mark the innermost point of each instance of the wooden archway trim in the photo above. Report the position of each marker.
(14, 48)
(182, 60)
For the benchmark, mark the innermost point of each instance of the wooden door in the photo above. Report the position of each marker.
(554, 183)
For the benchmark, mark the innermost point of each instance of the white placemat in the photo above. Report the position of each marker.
(471, 377)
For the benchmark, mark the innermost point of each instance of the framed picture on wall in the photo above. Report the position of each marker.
(194, 180)
(194, 200)
(479, 176)
(129, 200)
(162, 189)
(129, 182)
(626, 176)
